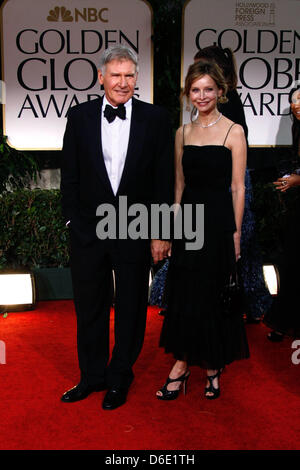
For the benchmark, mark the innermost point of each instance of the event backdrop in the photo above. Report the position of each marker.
(265, 38)
(50, 54)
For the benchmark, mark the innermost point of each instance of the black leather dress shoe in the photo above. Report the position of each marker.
(114, 398)
(80, 392)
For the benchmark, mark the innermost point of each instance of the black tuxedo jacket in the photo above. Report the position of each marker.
(147, 177)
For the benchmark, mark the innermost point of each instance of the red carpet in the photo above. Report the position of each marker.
(259, 407)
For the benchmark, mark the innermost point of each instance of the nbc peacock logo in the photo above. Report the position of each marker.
(89, 15)
(60, 14)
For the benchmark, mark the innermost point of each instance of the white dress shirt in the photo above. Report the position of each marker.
(115, 137)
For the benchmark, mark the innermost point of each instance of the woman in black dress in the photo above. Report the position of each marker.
(257, 299)
(210, 157)
(283, 317)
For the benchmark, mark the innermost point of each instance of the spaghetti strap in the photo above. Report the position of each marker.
(228, 133)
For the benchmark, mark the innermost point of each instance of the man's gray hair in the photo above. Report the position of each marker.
(117, 52)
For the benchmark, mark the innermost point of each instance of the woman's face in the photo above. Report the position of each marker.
(295, 105)
(204, 94)
(296, 96)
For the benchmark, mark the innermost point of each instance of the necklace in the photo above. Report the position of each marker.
(210, 124)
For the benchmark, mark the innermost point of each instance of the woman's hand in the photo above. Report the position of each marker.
(282, 184)
(237, 245)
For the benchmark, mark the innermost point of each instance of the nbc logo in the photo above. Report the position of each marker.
(86, 14)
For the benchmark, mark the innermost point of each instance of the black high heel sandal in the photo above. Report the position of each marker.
(173, 394)
(211, 389)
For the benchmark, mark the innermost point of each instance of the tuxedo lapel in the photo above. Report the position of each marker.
(94, 121)
(135, 143)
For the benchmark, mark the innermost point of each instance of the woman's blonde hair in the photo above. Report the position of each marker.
(198, 70)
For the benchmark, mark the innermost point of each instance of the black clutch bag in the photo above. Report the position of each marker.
(232, 296)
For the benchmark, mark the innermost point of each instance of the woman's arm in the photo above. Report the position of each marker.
(238, 146)
(179, 177)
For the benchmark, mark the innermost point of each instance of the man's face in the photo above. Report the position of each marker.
(119, 80)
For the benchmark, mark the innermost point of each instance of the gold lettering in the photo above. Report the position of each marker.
(78, 13)
(101, 13)
(91, 15)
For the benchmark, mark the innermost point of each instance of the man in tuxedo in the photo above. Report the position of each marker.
(113, 147)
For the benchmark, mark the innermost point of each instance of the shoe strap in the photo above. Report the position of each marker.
(212, 377)
(182, 378)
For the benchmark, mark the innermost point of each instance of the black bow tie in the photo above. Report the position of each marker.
(110, 113)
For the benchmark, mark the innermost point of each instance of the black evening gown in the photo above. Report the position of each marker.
(195, 328)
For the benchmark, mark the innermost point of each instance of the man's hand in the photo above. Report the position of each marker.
(160, 249)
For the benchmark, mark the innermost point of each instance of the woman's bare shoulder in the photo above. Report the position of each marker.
(235, 128)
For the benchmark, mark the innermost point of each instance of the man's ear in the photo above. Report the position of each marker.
(100, 77)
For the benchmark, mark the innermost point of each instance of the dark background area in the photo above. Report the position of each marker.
(167, 25)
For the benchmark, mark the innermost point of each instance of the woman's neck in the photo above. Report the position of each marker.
(208, 119)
